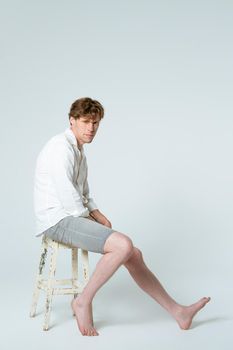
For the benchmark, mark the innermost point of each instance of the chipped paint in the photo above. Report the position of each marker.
(49, 285)
(42, 260)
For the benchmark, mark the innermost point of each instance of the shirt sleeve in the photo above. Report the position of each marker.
(61, 165)
(89, 202)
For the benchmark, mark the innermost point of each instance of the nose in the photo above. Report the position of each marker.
(91, 127)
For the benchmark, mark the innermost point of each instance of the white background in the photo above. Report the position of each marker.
(160, 167)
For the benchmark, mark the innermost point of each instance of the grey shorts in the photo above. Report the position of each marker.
(80, 232)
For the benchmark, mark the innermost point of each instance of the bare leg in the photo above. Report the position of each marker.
(118, 248)
(151, 285)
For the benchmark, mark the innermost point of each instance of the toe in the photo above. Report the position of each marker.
(205, 300)
(95, 332)
(91, 332)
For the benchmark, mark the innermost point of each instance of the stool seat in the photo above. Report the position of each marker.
(52, 286)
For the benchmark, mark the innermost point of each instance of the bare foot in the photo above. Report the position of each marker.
(184, 314)
(83, 314)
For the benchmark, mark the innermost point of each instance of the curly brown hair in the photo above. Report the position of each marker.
(86, 106)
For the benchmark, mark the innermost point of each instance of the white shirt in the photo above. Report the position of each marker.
(60, 184)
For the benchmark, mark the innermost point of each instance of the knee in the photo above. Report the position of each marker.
(119, 242)
(126, 246)
(137, 254)
(135, 258)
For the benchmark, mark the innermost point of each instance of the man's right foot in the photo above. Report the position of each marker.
(83, 314)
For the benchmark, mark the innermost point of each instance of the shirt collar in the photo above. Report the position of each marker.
(71, 138)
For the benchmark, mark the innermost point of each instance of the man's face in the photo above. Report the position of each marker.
(85, 128)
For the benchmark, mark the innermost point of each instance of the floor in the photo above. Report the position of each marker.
(124, 316)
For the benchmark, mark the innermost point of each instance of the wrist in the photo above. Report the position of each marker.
(94, 213)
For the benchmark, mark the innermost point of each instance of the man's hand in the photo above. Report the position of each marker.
(90, 218)
(96, 215)
(107, 223)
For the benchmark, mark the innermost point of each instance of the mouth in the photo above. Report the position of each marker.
(90, 135)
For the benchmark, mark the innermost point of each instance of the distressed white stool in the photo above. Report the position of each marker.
(49, 284)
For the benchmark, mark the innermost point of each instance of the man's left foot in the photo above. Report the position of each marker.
(184, 314)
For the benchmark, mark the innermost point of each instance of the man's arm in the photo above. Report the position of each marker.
(60, 164)
(99, 217)
(93, 209)
(89, 202)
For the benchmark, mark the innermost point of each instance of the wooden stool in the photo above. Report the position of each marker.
(48, 285)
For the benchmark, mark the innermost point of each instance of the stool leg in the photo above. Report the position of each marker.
(85, 264)
(50, 285)
(74, 270)
(44, 250)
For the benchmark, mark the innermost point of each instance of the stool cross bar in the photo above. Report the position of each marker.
(50, 285)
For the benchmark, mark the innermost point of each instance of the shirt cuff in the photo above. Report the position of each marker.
(91, 205)
(84, 213)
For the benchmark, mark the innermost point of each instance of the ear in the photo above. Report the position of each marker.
(71, 121)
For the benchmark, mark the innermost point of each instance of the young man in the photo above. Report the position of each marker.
(66, 212)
